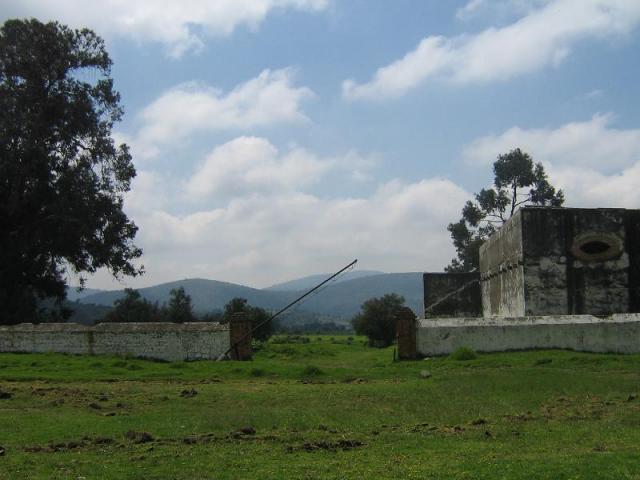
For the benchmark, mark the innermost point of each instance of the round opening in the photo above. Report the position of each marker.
(594, 247)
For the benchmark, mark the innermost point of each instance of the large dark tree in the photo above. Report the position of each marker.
(517, 181)
(62, 179)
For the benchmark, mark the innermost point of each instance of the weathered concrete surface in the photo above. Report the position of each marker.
(562, 261)
(619, 333)
(465, 302)
(165, 341)
(502, 272)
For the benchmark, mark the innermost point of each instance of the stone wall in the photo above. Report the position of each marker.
(452, 295)
(618, 333)
(165, 341)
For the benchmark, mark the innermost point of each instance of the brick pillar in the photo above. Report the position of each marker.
(406, 334)
(240, 334)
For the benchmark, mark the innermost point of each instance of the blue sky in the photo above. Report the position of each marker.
(280, 138)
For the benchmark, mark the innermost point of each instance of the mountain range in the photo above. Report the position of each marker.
(340, 299)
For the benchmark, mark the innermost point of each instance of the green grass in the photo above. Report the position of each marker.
(321, 409)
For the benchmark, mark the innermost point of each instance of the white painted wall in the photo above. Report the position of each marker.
(619, 333)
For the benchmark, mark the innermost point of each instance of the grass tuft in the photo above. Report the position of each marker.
(463, 354)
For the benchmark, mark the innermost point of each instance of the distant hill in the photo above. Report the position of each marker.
(306, 283)
(338, 301)
(206, 295)
(344, 299)
(73, 294)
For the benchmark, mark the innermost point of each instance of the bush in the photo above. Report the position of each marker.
(376, 319)
(463, 354)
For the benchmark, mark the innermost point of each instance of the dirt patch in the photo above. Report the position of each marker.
(139, 437)
(479, 421)
(189, 393)
(521, 417)
(243, 432)
(53, 447)
(356, 380)
(340, 445)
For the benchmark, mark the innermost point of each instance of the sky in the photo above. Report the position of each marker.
(275, 139)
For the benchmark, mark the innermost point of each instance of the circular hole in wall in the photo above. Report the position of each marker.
(596, 247)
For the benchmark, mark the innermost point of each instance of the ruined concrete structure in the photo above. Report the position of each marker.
(562, 261)
(549, 278)
(164, 341)
(452, 295)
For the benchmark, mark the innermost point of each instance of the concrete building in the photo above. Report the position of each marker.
(562, 261)
(549, 278)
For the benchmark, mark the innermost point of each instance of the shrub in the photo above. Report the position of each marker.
(463, 354)
(377, 320)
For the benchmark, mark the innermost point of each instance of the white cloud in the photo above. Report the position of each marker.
(594, 143)
(180, 25)
(268, 99)
(253, 165)
(261, 239)
(497, 8)
(470, 9)
(543, 37)
(149, 191)
(587, 187)
(595, 164)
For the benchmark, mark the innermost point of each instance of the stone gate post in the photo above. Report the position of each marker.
(240, 336)
(406, 334)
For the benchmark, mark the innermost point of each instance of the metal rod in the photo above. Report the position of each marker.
(449, 295)
(282, 310)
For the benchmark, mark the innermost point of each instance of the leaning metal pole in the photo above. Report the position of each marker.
(282, 310)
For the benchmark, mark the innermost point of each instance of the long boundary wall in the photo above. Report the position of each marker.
(165, 341)
(619, 333)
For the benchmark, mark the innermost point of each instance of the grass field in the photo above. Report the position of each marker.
(329, 408)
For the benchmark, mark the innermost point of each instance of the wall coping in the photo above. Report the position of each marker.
(131, 327)
(531, 320)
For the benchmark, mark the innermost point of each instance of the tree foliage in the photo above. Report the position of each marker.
(377, 320)
(62, 179)
(179, 309)
(256, 316)
(133, 308)
(517, 182)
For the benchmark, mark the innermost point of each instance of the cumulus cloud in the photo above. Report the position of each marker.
(268, 99)
(594, 143)
(268, 238)
(596, 164)
(181, 26)
(543, 37)
(252, 164)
